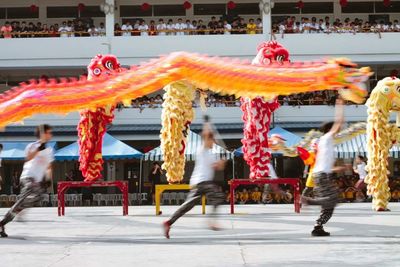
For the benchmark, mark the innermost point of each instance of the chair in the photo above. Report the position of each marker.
(69, 199)
(132, 198)
(77, 199)
(172, 197)
(54, 200)
(103, 198)
(12, 198)
(44, 202)
(118, 198)
(143, 197)
(164, 197)
(97, 198)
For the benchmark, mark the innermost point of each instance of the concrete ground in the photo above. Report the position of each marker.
(257, 235)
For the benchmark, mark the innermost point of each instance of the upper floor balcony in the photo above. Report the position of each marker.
(364, 48)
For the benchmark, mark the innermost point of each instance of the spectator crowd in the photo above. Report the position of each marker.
(305, 25)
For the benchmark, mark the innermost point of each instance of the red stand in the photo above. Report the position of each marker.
(292, 181)
(62, 187)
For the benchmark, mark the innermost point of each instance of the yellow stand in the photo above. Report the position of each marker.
(160, 188)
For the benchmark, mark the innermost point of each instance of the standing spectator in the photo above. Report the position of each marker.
(126, 29)
(297, 28)
(31, 29)
(227, 27)
(152, 28)
(259, 26)
(16, 29)
(53, 32)
(63, 30)
(101, 30)
(212, 25)
(235, 27)
(314, 25)
(282, 27)
(194, 28)
(170, 27)
(117, 29)
(396, 26)
(242, 26)
(161, 27)
(201, 28)
(143, 28)
(38, 30)
(6, 30)
(306, 26)
(136, 31)
(289, 24)
(24, 30)
(180, 27)
(70, 29)
(93, 31)
(45, 30)
(220, 28)
(188, 27)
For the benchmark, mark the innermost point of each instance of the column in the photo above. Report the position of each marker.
(265, 8)
(110, 17)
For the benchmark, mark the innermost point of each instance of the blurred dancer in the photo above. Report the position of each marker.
(325, 190)
(36, 174)
(202, 180)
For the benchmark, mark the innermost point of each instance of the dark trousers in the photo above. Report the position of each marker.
(326, 195)
(214, 196)
(30, 196)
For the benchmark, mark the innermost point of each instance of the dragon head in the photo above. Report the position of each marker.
(271, 52)
(386, 93)
(103, 65)
(351, 83)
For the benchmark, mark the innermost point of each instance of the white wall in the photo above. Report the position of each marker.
(74, 52)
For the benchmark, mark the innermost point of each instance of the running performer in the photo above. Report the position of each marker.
(325, 190)
(202, 181)
(35, 176)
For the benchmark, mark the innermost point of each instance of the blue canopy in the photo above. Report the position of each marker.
(16, 150)
(112, 149)
(291, 139)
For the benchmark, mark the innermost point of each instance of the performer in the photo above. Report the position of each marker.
(359, 168)
(36, 174)
(202, 180)
(325, 190)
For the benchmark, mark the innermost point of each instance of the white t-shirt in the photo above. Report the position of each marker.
(362, 173)
(179, 27)
(101, 31)
(325, 159)
(203, 169)
(126, 30)
(143, 30)
(37, 167)
(63, 31)
(227, 28)
(161, 29)
(93, 32)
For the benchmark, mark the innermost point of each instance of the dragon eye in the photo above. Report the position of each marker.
(109, 65)
(280, 59)
(398, 88)
(97, 71)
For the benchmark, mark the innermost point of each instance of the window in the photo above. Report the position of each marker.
(134, 11)
(62, 12)
(393, 8)
(317, 8)
(246, 9)
(359, 7)
(379, 18)
(209, 9)
(285, 9)
(169, 10)
(92, 12)
(2, 13)
(21, 13)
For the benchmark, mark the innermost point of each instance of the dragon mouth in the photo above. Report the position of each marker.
(356, 89)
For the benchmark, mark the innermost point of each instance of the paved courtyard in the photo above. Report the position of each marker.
(257, 235)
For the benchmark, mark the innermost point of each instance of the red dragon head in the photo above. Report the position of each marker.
(103, 64)
(271, 52)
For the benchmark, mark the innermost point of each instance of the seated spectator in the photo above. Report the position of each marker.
(350, 193)
(126, 29)
(93, 31)
(212, 26)
(152, 28)
(117, 29)
(161, 27)
(251, 27)
(259, 26)
(288, 197)
(143, 28)
(256, 196)
(170, 27)
(101, 30)
(267, 197)
(243, 196)
(396, 195)
(360, 197)
(63, 30)
(6, 30)
(201, 28)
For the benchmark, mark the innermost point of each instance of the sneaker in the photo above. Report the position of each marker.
(3, 232)
(319, 231)
(166, 227)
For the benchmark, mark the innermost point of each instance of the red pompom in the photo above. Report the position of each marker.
(300, 4)
(145, 6)
(343, 3)
(34, 8)
(387, 3)
(187, 5)
(81, 7)
(231, 5)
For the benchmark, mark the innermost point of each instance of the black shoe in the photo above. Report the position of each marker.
(319, 231)
(3, 232)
